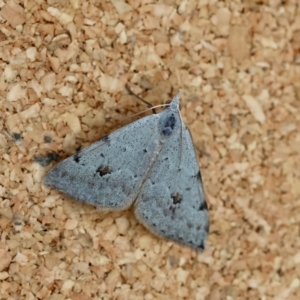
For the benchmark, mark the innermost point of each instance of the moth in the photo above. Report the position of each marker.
(151, 164)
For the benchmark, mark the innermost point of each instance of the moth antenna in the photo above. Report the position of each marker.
(140, 98)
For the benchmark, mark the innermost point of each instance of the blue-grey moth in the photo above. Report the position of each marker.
(150, 163)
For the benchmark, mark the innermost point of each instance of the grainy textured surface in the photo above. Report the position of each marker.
(63, 67)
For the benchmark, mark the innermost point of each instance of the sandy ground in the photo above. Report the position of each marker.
(63, 70)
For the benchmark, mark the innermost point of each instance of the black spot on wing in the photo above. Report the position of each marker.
(200, 246)
(103, 170)
(167, 125)
(77, 157)
(106, 139)
(203, 206)
(177, 198)
(198, 176)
